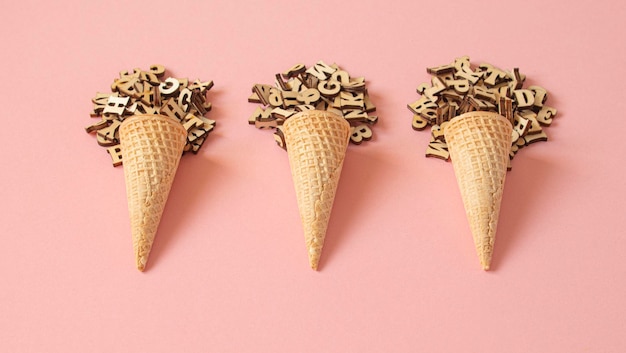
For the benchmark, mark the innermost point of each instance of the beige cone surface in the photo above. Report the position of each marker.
(316, 144)
(151, 149)
(479, 145)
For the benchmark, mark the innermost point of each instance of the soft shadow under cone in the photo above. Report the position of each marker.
(479, 145)
(316, 144)
(152, 146)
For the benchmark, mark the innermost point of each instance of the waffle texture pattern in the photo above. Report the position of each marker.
(151, 146)
(316, 144)
(479, 145)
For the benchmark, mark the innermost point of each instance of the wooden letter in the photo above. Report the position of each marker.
(545, 115)
(171, 109)
(169, 86)
(116, 154)
(329, 88)
(438, 149)
(360, 133)
(116, 105)
(294, 71)
(309, 96)
(321, 70)
(424, 107)
(524, 98)
(351, 100)
(275, 98)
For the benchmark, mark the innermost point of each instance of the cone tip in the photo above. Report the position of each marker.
(141, 263)
(314, 251)
(314, 263)
(485, 263)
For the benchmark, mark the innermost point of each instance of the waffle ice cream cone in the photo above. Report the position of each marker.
(152, 146)
(479, 145)
(316, 144)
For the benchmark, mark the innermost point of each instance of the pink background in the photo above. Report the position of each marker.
(228, 271)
